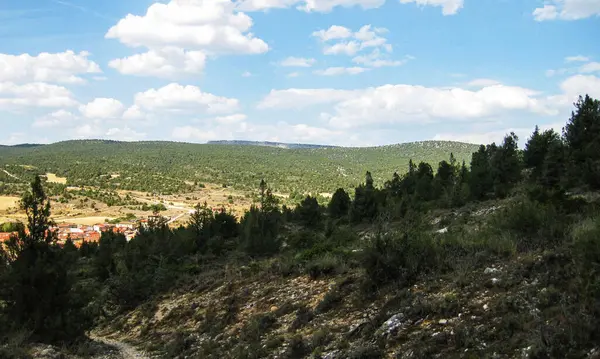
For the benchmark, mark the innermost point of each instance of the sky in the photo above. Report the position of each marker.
(341, 72)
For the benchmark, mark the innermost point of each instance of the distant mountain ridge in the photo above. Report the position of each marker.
(268, 144)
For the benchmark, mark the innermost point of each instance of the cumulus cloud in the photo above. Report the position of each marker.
(298, 62)
(210, 25)
(61, 67)
(168, 62)
(102, 108)
(178, 98)
(307, 5)
(336, 71)
(497, 136)
(567, 10)
(124, 134)
(449, 7)
(367, 45)
(590, 67)
(578, 58)
(36, 94)
(479, 83)
(54, 119)
(300, 98)
(409, 104)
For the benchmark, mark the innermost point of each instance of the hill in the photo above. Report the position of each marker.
(171, 167)
(268, 144)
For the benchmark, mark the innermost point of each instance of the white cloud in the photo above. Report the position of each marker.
(55, 68)
(333, 33)
(590, 67)
(300, 98)
(449, 7)
(548, 12)
(409, 104)
(178, 98)
(298, 62)
(349, 48)
(210, 25)
(168, 62)
(336, 71)
(377, 59)
(581, 85)
(578, 58)
(497, 136)
(124, 134)
(231, 119)
(479, 83)
(133, 113)
(567, 10)
(36, 94)
(102, 108)
(247, 74)
(54, 119)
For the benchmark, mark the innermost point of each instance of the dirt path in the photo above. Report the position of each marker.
(126, 351)
(10, 174)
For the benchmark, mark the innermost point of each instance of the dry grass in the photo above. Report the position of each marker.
(7, 202)
(55, 179)
(85, 221)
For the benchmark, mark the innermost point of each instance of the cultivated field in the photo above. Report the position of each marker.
(7, 202)
(55, 179)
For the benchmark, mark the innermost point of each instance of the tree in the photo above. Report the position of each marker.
(339, 204)
(505, 166)
(201, 222)
(364, 206)
(309, 212)
(37, 288)
(424, 185)
(480, 180)
(582, 134)
(536, 149)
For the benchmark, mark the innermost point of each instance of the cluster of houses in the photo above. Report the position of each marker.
(79, 233)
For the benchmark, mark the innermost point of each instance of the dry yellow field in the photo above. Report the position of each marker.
(7, 202)
(85, 221)
(55, 179)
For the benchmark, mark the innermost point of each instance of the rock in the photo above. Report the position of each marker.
(443, 321)
(486, 307)
(331, 355)
(357, 328)
(274, 308)
(443, 230)
(491, 270)
(391, 325)
(495, 281)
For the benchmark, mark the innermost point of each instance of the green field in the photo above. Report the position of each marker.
(170, 167)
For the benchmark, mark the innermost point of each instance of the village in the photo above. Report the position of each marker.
(79, 233)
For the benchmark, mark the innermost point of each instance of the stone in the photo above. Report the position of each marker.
(490, 270)
(443, 321)
(392, 324)
(274, 308)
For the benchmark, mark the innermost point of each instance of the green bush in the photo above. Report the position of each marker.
(391, 257)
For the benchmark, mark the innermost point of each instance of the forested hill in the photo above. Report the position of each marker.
(172, 166)
(268, 144)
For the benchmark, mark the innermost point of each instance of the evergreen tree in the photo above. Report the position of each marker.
(582, 134)
(480, 180)
(201, 222)
(339, 204)
(505, 166)
(424, 184)
(37, 289)
(308, 212)
(364, 206)
(536, 149)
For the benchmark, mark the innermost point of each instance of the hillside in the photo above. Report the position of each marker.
(268, 144)
(170, 167)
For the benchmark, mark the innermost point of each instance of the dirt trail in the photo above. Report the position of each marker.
(10, 174)
(126, 351)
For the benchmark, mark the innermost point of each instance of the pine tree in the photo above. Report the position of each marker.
(505, 166)
(340, 204)
(582, 134)
(309, 212)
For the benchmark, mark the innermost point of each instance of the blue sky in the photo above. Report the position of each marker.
(344, 72)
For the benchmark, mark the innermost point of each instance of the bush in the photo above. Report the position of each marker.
(325, 266)
(390, 257)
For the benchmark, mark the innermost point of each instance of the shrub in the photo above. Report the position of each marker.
(325, 266)
(391, 257)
